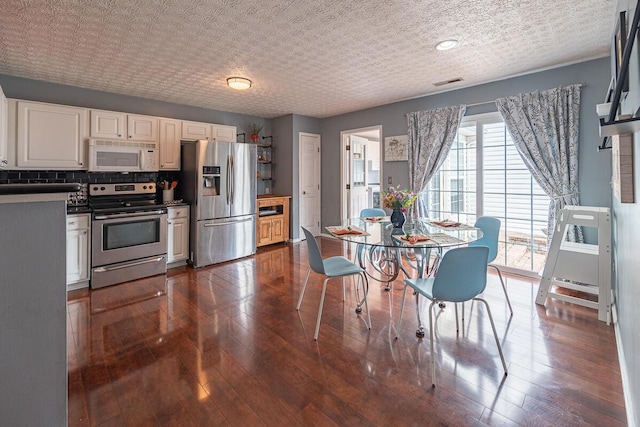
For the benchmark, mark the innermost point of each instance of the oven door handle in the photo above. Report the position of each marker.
(128, 215)
(130, 264)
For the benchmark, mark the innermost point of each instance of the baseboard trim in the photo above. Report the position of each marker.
(626, 390)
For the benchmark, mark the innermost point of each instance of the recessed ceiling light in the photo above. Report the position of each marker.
(447, 44)
(239, 83)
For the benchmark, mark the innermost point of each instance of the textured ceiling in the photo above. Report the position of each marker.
(312, 57)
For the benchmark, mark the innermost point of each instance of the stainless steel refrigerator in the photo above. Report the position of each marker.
(219, 181)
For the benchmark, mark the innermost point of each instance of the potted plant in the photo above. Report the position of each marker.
(254, 130)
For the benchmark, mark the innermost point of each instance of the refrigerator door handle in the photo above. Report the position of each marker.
(218, 224)
(233, 174)
(228, 180)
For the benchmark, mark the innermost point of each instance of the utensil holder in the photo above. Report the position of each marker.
(167, 196)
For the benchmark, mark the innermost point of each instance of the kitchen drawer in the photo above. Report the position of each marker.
(272, 201)
(77, 222)
(175, 212)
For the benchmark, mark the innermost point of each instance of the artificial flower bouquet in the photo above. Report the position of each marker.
(395, 198)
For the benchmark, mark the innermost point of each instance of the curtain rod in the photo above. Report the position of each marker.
(474, 104)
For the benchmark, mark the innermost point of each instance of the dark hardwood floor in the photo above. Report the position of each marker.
(224, 345)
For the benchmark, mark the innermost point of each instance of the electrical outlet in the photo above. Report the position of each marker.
(389, 180)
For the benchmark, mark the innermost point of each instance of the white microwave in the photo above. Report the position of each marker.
(122, 156)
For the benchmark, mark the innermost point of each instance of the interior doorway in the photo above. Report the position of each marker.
(309, 179)
(361, 160)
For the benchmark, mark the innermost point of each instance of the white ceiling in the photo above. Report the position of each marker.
(312, 57)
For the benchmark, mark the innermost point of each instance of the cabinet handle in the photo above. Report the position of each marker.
(72, 223)
(119, 135)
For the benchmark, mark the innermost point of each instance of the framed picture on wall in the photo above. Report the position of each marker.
(396, 148)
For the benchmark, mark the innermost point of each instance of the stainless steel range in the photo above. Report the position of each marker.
(129, 233)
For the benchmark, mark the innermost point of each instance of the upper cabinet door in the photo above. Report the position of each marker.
(170, 131)
(51, 136)
(4, 129)
(196, 130)
(142, 128)
(223, 133)
(108, 124)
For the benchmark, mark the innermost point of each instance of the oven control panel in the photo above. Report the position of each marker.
(126, 188)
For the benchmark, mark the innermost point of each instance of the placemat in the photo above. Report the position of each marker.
(449, 225)
(338, 230)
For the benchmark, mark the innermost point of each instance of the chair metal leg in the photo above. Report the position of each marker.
(455, 305)
(495, 334)
(303, 289)
(504, 288)
(324, 290)
(433, 356)
(420, 330)
(365, 284)
(344, 290)
(404, 294)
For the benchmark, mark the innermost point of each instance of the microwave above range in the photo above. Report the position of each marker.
(122, 156)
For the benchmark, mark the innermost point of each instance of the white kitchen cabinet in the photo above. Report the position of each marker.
(142, 128)
(169, 138)
(51, 136)
(196, 130)
(78, 241)
(223, 133)
(116, 125)
(178, 235)
(4, 129)
(108, 124)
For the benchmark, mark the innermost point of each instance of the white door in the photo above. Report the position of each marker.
(309, 183)
(358, 186)
(361, 170)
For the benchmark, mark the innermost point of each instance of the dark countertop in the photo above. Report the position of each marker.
(72, 210)
(6, 189)
(176, 204)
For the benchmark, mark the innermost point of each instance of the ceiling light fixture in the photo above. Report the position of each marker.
(447, 44)
(239, 83)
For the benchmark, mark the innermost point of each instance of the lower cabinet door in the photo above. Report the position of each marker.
(277, 229)
(264, 231)
(77, 256)
(178, 239)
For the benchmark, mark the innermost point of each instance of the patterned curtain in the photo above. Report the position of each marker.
(430, 136)
(544, 127)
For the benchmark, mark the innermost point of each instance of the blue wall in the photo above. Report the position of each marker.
(626, 237)
(594, 167)
(34, 90)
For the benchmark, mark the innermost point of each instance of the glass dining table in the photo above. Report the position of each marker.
(384, 251)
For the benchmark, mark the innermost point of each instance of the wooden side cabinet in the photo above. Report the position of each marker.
(273, 219)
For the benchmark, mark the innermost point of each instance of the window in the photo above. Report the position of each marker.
(484, 175)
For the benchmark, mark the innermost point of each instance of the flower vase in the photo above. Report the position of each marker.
(397, 218)
(254, 137)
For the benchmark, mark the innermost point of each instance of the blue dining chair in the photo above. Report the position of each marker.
(370, 212)
(461, 276)
(332, 267)
(490, 228)
(366, 213)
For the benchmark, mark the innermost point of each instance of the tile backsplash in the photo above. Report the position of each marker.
(79, 198)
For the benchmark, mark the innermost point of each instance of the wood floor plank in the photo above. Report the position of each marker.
(224, 346)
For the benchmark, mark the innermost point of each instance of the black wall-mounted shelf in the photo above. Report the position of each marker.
(612, 126)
